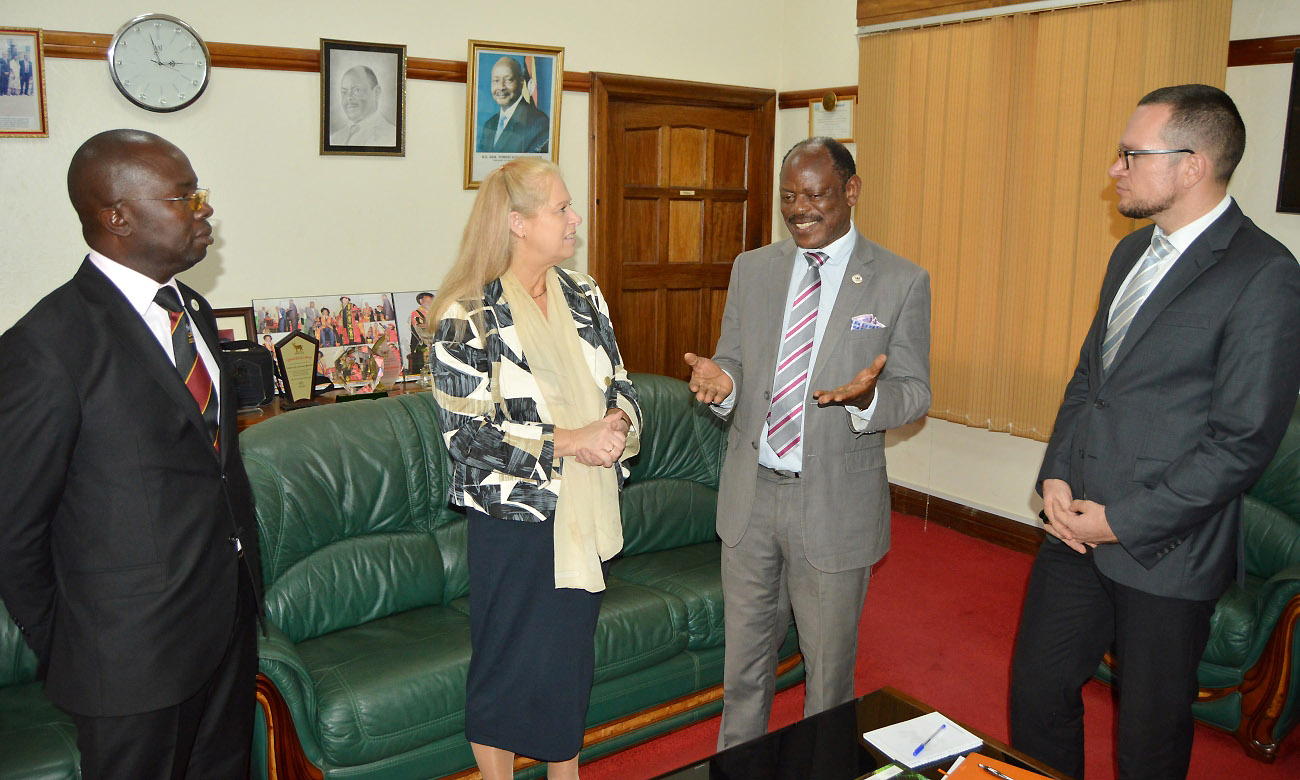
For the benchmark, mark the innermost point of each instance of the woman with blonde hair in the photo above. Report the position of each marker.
(538, 416)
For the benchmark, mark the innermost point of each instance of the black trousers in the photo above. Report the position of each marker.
(208, 736)
(1072, 615)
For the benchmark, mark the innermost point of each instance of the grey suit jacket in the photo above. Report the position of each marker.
(846, 493)
(1191, 411)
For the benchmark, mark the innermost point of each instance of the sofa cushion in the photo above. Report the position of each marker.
(37, 740)
(1272, 537)
(390, 685)
(664, 514)
(692, 574)
(638, 627)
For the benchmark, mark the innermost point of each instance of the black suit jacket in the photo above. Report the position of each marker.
(529, 130)
(116, 558)
(1192, 409)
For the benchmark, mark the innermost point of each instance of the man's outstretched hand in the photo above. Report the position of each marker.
(858, 392)
(710, 384)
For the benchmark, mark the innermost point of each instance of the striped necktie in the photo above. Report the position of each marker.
(188, 363)
(1132, 298)
(790, 386)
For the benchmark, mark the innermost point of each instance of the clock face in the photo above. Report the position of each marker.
(159, 62)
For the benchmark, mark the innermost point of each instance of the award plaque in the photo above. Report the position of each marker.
(296, 356)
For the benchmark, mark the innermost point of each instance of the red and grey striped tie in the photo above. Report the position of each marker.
(193, 373)
(790, 387)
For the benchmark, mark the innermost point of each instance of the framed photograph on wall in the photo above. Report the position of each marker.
(22, 84)
(235, 324)
(512, 105)
(362, 98)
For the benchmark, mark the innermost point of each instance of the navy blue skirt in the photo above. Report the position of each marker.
(532, 644)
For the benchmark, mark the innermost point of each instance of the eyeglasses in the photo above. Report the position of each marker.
(197, 199)
(1125, 154)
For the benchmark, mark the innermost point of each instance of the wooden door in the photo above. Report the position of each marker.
(681, 183)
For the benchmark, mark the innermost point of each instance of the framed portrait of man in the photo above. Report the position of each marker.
(22, 84)
(362, 98)
(512, 105)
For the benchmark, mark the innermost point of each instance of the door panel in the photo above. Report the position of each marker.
(681, 184)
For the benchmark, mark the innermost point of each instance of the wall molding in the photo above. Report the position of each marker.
(1279, 50)
(993, 528)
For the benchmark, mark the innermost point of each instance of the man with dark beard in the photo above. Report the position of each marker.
(1184, 385)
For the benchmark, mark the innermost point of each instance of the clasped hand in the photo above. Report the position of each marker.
(602, 442)
(1079, 523)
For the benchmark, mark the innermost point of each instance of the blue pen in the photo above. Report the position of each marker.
(921, 746)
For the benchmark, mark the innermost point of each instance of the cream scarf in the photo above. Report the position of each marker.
(588, 527)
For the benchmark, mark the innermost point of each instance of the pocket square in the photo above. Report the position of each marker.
(866, 322)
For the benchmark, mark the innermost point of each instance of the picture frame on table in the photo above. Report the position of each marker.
(22, 84)
(362, 98)
(234, 324)
(520, 83)
(346, 326)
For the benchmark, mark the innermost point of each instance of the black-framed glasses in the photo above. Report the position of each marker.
(1125, 154)
(197, 199)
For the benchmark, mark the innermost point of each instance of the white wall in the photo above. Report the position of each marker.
(289, 221)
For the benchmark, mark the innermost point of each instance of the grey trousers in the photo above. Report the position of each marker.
(764, 577)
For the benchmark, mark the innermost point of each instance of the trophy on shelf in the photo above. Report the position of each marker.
(356, 369)
(295, 357)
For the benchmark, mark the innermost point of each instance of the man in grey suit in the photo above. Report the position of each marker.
(803, 505)
(1185, 382)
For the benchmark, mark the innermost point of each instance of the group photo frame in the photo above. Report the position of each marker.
(363, 98)
(22, 84)
(512, 105)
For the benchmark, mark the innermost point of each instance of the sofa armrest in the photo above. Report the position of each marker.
(278, 659)
(1271, 603)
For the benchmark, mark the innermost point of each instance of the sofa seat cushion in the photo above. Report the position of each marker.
(390, 685)
(37, 740)
(1232, 627)
(638, 628)
(692, 574)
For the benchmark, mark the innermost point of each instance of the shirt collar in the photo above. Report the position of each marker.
(1185, 235)
(838, 251)
(138, 288)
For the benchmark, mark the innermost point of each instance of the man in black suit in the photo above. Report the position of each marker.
(25, 75)
(128, 548)
(1185, 383)
(519, 126)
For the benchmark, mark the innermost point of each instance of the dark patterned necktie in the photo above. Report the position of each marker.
(188, 363)
(790, 387)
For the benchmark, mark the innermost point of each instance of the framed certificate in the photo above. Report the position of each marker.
(832, 117)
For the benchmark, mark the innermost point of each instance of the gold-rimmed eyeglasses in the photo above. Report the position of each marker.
(1125, 154)
(197, 199)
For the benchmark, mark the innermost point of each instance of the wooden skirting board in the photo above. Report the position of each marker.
(982, 525)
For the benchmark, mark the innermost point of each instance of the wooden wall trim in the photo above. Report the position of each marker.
(798, 98)
(883, 11)
(1279, 50)
(94, 46)
(982, 525)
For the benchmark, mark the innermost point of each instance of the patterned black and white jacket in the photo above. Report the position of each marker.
(491, 409)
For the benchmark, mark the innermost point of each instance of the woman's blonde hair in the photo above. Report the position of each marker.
(487, 246)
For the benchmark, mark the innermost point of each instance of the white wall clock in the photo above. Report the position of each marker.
(159, 62)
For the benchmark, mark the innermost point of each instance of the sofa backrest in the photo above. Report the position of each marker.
(671, 497)
(17, 661)
(1270, 512)
(351, 505)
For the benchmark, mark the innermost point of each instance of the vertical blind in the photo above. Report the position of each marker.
(983, 149)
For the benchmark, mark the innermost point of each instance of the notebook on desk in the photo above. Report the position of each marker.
(923, 740)
(977, 767)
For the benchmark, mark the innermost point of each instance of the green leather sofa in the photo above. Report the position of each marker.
(366, 586)
(1250, 673)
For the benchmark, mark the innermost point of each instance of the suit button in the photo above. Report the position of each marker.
(1080, 453)
(754, 444)
(1100, 404)
(767, 395)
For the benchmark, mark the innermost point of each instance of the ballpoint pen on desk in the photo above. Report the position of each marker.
(994, 772)
(921, 746)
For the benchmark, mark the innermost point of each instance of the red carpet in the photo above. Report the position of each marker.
(939, 624)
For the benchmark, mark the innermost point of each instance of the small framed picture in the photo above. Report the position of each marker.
(832, 117)
(22, 84)
(362, 98)
(512, 105)
(235, 324)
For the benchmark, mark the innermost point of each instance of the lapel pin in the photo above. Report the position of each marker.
(194, 304)
(857, 278)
